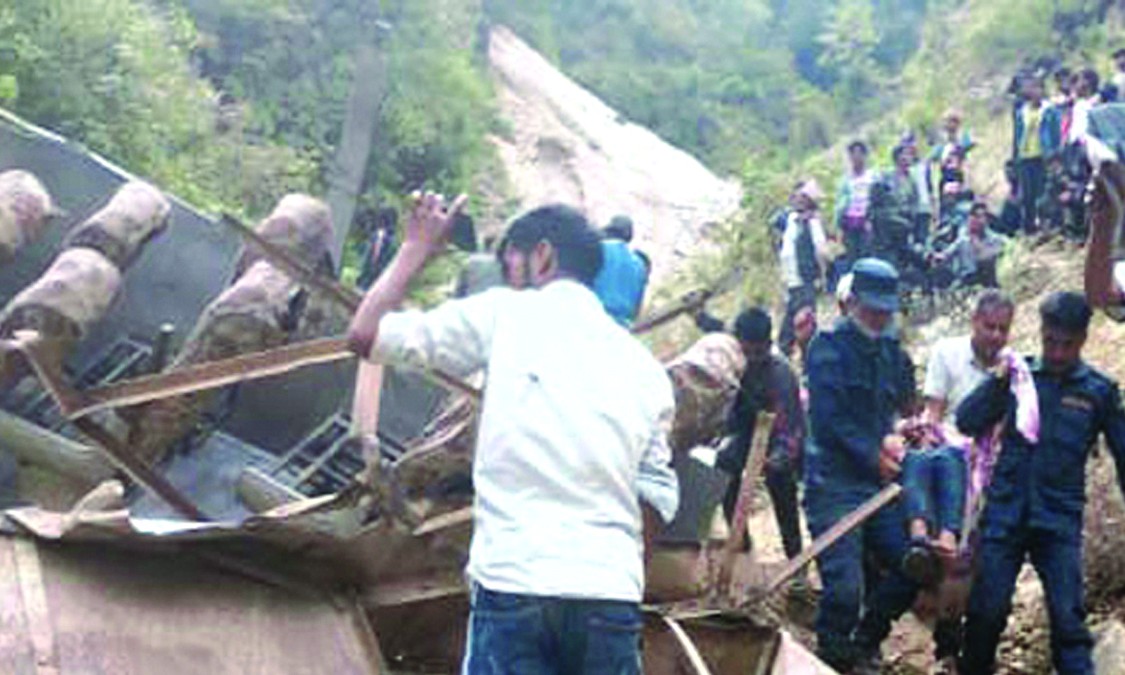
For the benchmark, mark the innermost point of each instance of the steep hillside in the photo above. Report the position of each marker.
(566, 145)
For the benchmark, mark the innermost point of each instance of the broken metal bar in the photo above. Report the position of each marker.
(138, 471)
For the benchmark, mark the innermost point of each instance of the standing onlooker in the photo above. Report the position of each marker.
(853, 202)
(1118, 79)
(894, 205)
(621, 283)
(1034, 503)
(803, 257)
(379, 228)
(1036, 136)
(924, 211)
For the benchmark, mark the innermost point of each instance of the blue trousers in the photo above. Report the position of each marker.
(853, 621)
(512, 634)
(1057, 559)
(933, 483)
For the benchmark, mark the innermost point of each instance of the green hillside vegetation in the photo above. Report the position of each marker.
(230, 103)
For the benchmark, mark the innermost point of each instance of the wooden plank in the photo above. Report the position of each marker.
(138, 471)
(688, 303)
(36, 610)
(288, 263)
(842, 527)
(32, 443)
(445, 521)
(834, 534)
(413, 590)
(693, 655)
(210, 375)
(739, 528)
(365, 402)
(17, 653)
(261, 493)
(368, 638)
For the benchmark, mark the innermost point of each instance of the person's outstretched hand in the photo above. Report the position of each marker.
(430, 223)
(890, 457)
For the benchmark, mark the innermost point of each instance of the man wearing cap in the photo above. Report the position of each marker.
(803, 257)
(859, 381)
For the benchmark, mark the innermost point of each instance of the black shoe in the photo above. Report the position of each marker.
(921, 564)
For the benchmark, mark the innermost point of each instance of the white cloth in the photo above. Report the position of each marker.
(952, 373)
(573, 431)
(920, 174)
(790, 270)
(1080, 118)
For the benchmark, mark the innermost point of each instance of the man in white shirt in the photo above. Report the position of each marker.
(958, 365)
(804, 255)
(572, 438)
(934, 480)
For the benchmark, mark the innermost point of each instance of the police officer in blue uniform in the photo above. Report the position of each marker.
(1036, 497)
(860, 379)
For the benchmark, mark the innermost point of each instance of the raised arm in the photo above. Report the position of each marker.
(1106, 209)
(427, 232)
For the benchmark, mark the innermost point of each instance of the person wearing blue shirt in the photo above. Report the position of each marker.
(620, 284)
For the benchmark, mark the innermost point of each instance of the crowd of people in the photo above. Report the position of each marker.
(923, 215)
(572, 468)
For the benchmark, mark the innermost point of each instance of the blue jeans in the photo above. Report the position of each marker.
(1057, 559)
(852, 620)
(533, 635)
(933, 483)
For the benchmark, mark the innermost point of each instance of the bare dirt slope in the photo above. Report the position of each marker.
(566, 145)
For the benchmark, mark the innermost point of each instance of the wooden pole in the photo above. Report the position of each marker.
(692, 652)
(842, 527)
(138, 471)
(32, 443)
(759, 446)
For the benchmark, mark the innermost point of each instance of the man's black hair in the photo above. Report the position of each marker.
(1090, 76)
(577, 245)
(978, 206)
(1066, 311)
(992, 299)
(753, 325)
(620, 227)
(857, 145)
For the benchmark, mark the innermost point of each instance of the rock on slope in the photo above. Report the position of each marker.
(568, 146)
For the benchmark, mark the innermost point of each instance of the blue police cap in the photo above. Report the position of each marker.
(875, 284)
